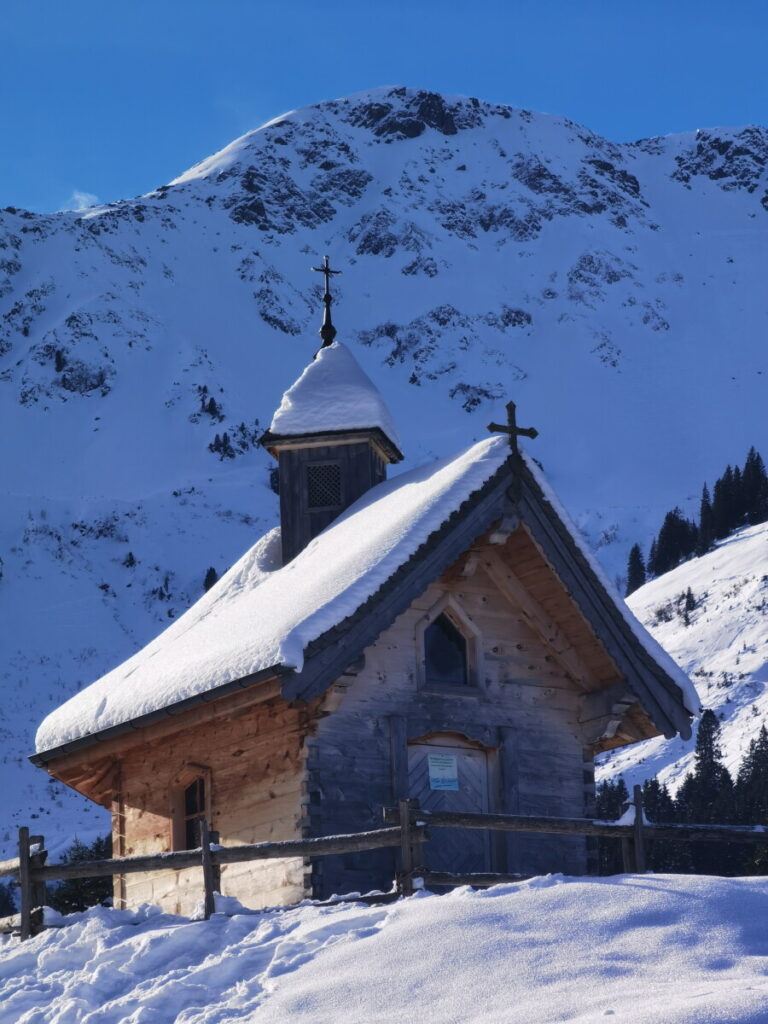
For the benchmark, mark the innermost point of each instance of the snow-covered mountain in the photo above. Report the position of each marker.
(722, 643)
(615, 291)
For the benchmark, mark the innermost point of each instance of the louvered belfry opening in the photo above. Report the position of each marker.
(324, 485)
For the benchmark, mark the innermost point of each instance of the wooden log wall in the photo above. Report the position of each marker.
(253, 761)
(525, 712)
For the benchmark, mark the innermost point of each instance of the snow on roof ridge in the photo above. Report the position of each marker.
(332, 393)
(258, 616)
(653, 647)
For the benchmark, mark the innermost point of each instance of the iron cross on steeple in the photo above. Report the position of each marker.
(512, 428)
(327, 331)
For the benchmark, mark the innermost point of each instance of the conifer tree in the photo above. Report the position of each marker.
(659, 806)
(722, 504)
(652, 558)
(80, 893)
(706, 797)
(755, 488)
(635, 570)
(7, 904)
(611, 799)
(210, 578)
(752, 782)
(751, 799)
(738, 511)
(676, 542)
(706, 536)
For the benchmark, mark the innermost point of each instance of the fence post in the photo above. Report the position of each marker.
(205, 843)
(25, 885)
(639, 839)
(417, 843)
(411, 856)
(39, 897)
(215, 868)
(406, 850)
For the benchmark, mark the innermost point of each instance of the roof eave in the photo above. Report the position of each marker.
(274, 442)
(44, 757)
(656, 690)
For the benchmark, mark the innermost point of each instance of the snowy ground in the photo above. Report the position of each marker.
(651, 949)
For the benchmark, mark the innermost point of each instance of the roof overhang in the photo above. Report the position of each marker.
(44, 757)
(388, 450)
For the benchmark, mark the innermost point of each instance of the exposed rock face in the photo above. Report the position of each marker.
(617, 292)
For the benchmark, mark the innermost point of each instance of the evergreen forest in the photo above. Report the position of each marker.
(708, 796)
(739, 498)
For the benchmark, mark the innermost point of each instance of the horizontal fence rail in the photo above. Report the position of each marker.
(584, 827)
(32, 872)
(633, 836)
(408, 829)
(321, 847)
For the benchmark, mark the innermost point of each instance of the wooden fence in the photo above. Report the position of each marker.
(633, 837)
(408, 829)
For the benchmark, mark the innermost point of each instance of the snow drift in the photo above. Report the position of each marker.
(665, 949)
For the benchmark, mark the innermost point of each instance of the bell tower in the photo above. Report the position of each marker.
(332, 436)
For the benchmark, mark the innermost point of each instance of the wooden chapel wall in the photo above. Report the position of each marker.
(254, 761)
(525, 712)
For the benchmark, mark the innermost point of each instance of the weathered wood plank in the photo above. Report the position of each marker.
(178, 860)
(638, 839)
(9, 867)
(556, 642)
(584, 827)
(25, 885)
(405, 878)
(209, 902)
(399, 756)
(327, 660)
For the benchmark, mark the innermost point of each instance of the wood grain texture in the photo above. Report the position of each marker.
(529, 727)
(254, 761)
(361, 467)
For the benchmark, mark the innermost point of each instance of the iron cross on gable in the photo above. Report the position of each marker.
(327, 331)
(512, 429)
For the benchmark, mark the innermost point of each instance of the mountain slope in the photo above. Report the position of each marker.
(722, 644)
(616, 292)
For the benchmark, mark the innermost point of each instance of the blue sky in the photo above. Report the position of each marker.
(111, 99)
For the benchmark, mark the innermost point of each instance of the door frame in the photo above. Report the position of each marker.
(407, 731)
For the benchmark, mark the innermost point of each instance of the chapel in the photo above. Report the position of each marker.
(441, 634)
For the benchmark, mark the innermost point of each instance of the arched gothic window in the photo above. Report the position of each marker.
(445, 654)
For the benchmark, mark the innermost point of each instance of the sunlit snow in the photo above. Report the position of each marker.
(644, 949)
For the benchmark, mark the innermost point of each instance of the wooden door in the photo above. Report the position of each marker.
(447, 774)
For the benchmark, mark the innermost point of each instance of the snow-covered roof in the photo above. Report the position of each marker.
(332, 394)
(261, 617)
(258, 615)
